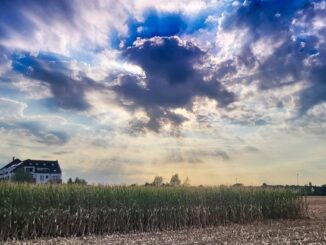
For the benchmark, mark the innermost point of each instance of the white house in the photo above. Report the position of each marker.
(42, 171)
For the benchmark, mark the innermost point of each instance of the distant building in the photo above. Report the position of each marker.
(41, 171)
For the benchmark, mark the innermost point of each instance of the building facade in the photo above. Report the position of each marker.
(41, 171)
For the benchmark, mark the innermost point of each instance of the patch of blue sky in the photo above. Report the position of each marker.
(22, 62)
(8, 91)
(81, 56)
(161, 24)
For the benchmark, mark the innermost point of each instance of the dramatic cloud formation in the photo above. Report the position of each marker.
(67, 88)
(209, 89)
(171, 81)
(297, 45)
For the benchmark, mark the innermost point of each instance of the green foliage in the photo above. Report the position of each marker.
(22, 176)
(80, 181)
(30, 211)
(175, 180)
(158, 181)
(77, 181)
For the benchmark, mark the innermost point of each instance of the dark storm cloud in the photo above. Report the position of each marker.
(172, 81)
(67, 89)
(37, 131)
(316, 92)
(15, 19)
(265, 17)
(301, 55)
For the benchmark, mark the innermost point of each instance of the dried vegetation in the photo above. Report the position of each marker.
(185, 214)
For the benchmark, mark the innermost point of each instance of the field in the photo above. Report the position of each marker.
(32, 211)
(299, 231)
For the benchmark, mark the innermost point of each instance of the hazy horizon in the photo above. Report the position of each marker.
(123, 91)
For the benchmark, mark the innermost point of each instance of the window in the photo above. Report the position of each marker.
(56, 177)
(29, 170)
(43, 170)
(41, 177)
(46, 176)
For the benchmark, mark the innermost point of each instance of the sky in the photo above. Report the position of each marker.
(122, 91)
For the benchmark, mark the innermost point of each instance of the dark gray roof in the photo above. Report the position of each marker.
(16, 161)
(41, 166)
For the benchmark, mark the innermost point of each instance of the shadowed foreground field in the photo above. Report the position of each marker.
(300, 231)
(35, 211)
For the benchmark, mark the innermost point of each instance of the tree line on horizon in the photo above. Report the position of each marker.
(310, 190)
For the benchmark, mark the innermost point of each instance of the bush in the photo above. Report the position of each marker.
(21, 176)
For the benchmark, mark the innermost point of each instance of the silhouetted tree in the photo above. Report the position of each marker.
(175, 180)
(158, 181)
(77, 181)
(80, 181)
(186, 182)
(238, 185)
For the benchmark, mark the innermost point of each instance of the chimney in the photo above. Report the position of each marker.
(13, 158)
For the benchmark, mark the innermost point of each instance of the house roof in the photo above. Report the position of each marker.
(14, 162)
(41, 166)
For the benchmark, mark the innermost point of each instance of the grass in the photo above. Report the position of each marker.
(30, 211)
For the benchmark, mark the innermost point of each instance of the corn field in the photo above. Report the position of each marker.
(30, 211)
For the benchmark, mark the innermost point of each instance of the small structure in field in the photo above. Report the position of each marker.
(41, 171)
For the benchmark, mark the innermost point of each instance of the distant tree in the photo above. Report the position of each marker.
(80, 181)
(175, 180)
(77, 181)
(158, 181)
(22, 176)
(238, 185)
(186, 182)
(264, 185)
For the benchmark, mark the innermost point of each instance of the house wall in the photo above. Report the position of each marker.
(46, 177)
(5, 176)
(39, 177)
